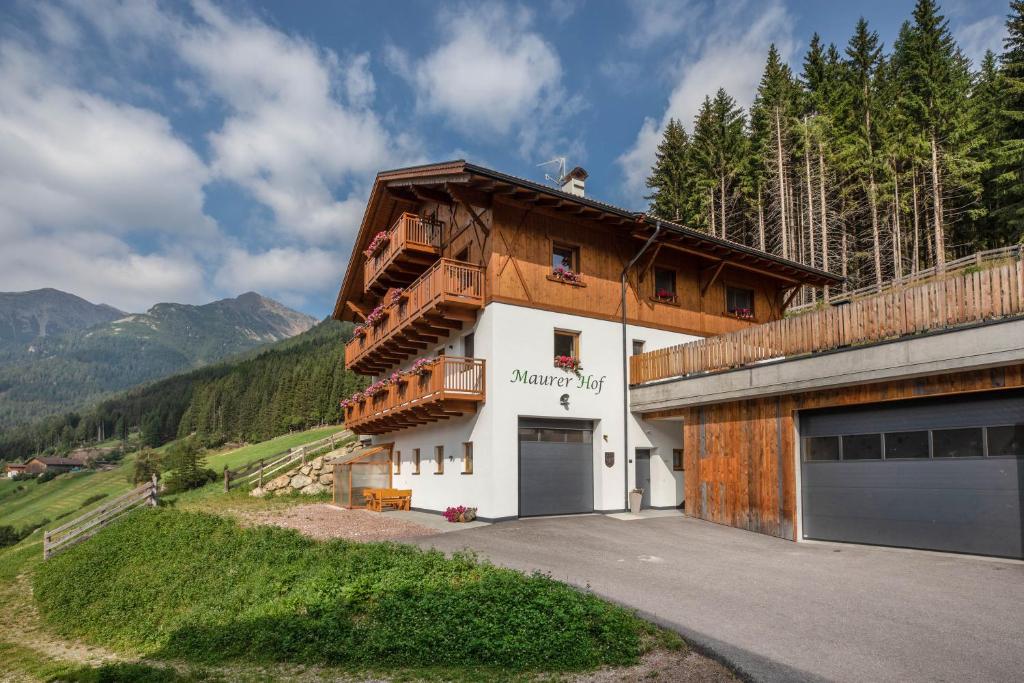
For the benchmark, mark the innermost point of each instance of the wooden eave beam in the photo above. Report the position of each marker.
(468, 195)
(431, 195)
(718, 271)
(355, 308)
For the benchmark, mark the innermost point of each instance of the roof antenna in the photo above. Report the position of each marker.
(558, 180)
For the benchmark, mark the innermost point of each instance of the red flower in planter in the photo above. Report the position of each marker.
(664, 295)
(569, 363)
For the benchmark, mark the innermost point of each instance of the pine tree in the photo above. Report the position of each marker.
(718, 148)
(987, 109)
(1008, 175)
(670, 176)
(771, 120)
(935, 80)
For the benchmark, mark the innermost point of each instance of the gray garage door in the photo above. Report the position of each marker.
(942, 474)
(556, 467)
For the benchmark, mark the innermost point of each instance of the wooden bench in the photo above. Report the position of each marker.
(378, 499)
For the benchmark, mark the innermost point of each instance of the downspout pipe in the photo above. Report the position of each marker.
(625, 366)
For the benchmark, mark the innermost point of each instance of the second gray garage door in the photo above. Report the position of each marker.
(556, 467)
(942, 474)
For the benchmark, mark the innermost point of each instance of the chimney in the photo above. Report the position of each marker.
(574, 181)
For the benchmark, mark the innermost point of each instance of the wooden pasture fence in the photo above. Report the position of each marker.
(261, 471)
(963, 299)
(85, 526)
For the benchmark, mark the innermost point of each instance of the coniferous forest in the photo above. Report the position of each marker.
(873, 162)
(292, 384)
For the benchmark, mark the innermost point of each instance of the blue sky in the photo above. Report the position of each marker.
(192, 151)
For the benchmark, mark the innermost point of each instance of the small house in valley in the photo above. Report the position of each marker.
(41, 464)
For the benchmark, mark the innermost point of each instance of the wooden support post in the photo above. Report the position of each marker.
(261, 473)
(303, 455)
(153, 495)
(227, 479)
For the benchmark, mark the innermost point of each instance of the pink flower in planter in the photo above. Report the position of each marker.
(378, 239)
(567, 275)
(664, 295)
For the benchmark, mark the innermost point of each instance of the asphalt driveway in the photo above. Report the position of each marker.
(783, 611)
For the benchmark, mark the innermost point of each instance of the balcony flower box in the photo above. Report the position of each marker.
(742, 313)
(378, 240)
(422, 366)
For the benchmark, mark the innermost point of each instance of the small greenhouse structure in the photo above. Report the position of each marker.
(355, 473)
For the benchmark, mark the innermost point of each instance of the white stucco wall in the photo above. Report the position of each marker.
(517, 343)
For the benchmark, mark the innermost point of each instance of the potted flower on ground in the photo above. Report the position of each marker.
(460, 513)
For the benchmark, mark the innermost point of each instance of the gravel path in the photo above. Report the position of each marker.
(323, 521)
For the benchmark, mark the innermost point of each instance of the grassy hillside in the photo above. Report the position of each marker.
(240, 457)
(64, 496)
(271, 595)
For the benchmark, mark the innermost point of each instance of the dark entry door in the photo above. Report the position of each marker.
(556, 467)
(941, 474)
(643, 475)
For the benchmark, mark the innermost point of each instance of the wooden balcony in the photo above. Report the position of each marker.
(440, 300)
(965, 299)
(450, 387)
(412, 244)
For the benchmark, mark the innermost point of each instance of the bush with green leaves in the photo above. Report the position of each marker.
(147, 463)
(48, 475)
(193, 586)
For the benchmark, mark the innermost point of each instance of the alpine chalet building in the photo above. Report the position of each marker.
(496, 317)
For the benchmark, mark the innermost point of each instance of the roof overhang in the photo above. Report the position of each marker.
(455, 181)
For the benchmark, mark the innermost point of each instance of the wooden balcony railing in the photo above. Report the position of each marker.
(412, 244)
(440, 299)
(449, 387)
(941, 304)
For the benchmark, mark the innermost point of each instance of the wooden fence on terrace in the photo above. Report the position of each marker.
(85, 526)
(977, 260)
(259, 472)
(963, 299)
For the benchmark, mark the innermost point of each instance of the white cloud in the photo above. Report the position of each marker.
(493, 74)
(977, 37)
(287, 139)
(658, 20)
(288, 272)
(731, 54)
(74, 160)
(101, 269)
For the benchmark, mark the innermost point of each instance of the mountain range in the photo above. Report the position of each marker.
(59, 351)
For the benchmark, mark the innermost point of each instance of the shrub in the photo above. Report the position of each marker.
(186, 465)
(147, 463)
(8, 536)
(92, 499)
(193, 586)
(46, 476)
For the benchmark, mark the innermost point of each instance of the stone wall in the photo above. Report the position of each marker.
(310, 479)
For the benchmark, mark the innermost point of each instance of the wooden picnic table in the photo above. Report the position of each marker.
(378, 499)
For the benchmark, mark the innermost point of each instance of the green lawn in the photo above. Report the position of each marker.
(241, 457)
(66, 493)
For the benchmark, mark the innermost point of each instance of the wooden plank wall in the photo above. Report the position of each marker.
(740, 456)
(520, 264)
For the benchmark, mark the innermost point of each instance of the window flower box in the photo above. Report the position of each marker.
(664, 296)
(569, 364)
(566, 275)
(742, 313)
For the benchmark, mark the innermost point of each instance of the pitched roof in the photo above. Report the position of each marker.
(57, 462)
(459, 171)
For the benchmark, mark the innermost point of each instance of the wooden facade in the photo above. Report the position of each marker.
(508, 226)
(741, 457)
